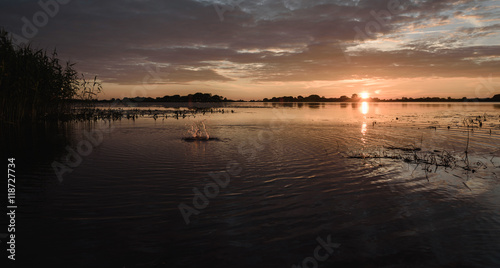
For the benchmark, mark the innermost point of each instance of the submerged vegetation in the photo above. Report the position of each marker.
(34, 85)
(114, 114)
(431, 160)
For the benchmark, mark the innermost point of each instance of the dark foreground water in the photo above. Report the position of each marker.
(320, 185)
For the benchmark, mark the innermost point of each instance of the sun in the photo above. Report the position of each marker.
(364, 95)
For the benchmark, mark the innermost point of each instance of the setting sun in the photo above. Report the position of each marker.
(364, 95)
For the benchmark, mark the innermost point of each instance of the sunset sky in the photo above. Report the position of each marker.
(253, 49)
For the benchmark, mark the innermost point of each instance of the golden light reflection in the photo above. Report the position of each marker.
(364, 107)
(363, 132)
(364, 110)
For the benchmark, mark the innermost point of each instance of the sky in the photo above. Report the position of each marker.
(255, 49)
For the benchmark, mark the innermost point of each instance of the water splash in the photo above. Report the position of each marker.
(198, 132)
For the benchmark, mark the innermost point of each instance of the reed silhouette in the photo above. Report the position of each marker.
(34, 84)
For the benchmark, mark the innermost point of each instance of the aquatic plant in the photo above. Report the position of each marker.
(430, 161)
(89, 91)
(34, 85)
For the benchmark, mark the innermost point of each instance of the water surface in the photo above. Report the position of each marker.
(297, 181)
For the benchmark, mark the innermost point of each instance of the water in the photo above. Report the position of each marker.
(292, 181)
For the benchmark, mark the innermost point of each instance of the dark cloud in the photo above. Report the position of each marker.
(282, 40)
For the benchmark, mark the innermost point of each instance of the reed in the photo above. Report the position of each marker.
(430, 161)
(34, 85)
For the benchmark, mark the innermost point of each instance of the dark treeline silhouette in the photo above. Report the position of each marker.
(197, 97)
(207, 97)
(313, 98)
(356, 98)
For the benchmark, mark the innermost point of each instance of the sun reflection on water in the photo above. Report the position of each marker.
(364, 111)
(364, 107)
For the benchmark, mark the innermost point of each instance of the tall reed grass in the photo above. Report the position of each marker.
(34, 85)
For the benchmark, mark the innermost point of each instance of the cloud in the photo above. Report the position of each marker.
(279, 40)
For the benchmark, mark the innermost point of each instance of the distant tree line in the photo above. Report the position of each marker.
(356, 98)
(314, 98)
(207, 97)
(495, 98)
(197, 97)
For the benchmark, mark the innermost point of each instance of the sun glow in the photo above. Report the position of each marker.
(364, 95)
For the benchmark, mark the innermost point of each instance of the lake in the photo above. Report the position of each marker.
(282, 185)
